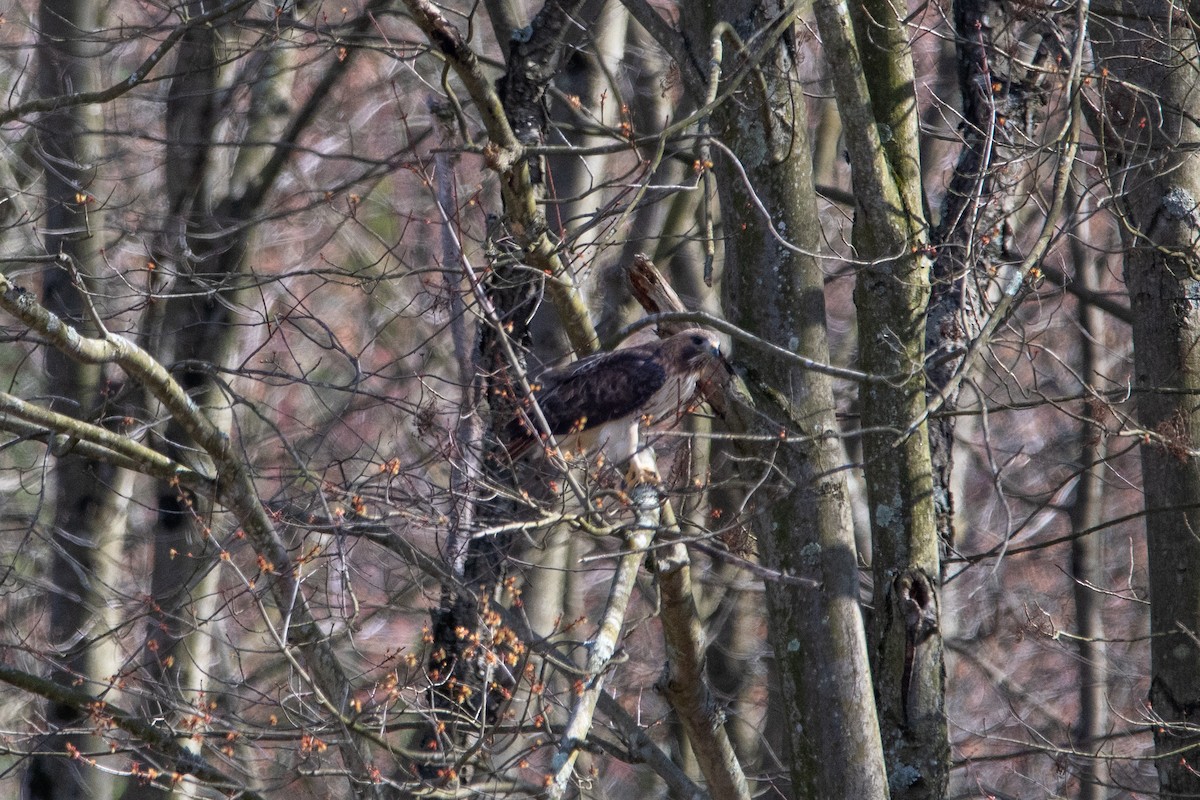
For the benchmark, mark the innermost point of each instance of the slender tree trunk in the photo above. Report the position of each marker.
(588, 76)
(1087, 554)
(186, 322)
(1148, 120)
(509, 296)
(737, 671)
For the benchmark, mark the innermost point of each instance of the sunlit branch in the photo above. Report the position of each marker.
(506, 155)
(66, 434)
(718, 324)
(603, 645)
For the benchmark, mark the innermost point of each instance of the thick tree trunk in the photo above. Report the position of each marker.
(891, 295)
(1156, 179)
(776, 292)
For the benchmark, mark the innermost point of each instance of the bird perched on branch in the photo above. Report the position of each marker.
(600, 404)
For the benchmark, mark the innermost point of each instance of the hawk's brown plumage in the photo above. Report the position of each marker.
(598, 404)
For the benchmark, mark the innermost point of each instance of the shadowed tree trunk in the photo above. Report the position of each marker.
(1087, 552)
(187, 327)
(466, 689)
(1148, 131)
(998, 59)
(91, 497)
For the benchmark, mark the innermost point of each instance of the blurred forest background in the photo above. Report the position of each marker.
(273, 273)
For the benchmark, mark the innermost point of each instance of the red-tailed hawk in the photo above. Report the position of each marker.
(599, 404)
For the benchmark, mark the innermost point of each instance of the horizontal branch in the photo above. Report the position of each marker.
(1091, 297)
(718, 324)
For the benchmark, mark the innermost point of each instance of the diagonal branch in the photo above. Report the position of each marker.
(67, 434)
(256, 191)
(684, 681)
(670, 40)
(506, 155)
(165, 742)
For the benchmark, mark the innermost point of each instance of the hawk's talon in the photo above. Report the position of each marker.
(638, 475)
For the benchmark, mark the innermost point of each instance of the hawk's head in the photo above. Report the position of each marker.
(692, 350)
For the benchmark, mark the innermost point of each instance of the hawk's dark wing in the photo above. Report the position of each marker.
(605, 396)
(598, 389)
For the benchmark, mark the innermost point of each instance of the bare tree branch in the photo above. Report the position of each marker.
(237, 491)
(136, 78)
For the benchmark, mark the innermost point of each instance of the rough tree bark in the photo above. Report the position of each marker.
(1147, 131)
(1000, 59)
(776, 292)
(874, 81)
(513, 114)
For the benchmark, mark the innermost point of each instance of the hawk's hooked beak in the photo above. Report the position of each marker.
(717, 353)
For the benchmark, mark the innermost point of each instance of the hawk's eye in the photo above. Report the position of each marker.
(698, 340)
